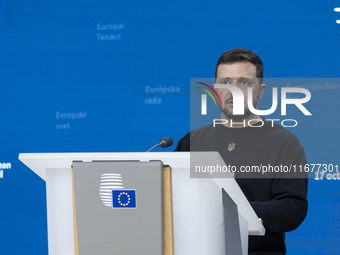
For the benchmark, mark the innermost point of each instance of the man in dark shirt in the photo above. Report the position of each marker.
(278, 198)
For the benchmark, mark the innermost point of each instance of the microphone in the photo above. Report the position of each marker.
(165, 142)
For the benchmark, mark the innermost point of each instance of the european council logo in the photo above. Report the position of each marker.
(124, 198)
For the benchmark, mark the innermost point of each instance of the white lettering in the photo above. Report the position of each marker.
(256, 121)
(250, 122)
(272, 121)
(297, 101)
(5, 166)
(238, 97)
(204, 104)
(215, 169)
(71, 115)
(238, 123)
(108, 37)
(282, 122)
(162, 90)
(63, 126)
(155, 100)
(262, 112)
(110, 26)
(238, 100)
(220, 121)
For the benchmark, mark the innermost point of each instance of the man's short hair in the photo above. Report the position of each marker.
(241, 55)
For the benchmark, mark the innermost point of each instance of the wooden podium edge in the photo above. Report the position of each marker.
(168, 213)
(76, 251)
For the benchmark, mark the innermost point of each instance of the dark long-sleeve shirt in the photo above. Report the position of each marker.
(279, 198)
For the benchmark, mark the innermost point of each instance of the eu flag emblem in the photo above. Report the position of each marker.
(124, 198)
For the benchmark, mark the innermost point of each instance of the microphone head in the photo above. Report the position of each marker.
(166, 142)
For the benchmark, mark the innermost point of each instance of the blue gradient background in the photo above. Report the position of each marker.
(51, 61)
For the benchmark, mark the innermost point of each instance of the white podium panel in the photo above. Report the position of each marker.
(197, 202)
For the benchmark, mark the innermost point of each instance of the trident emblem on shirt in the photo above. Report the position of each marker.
(231, 146)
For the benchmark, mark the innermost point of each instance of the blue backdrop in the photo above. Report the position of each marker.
(114, 76)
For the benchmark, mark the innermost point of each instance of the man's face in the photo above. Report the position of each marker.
(242, 75)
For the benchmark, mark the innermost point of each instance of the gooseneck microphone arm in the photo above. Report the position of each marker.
(153, 147)
(165, 142)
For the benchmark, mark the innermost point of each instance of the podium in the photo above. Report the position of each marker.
(199, 204)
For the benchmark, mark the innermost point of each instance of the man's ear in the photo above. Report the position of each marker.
(262, 88)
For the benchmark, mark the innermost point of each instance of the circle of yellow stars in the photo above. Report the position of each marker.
(128, 199)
